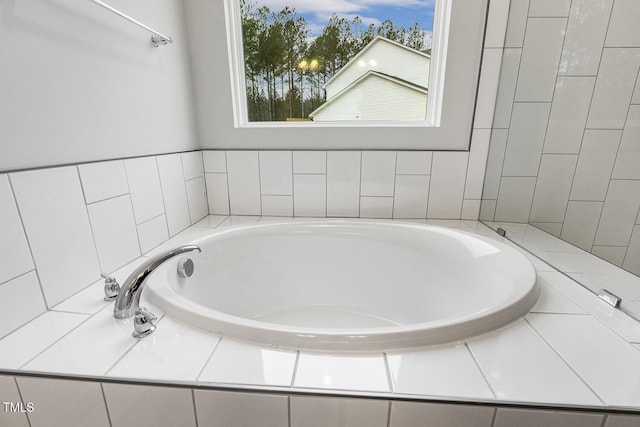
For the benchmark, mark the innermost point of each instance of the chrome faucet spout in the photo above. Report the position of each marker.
(128, 299)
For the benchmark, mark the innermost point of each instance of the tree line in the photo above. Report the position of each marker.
(285, 68)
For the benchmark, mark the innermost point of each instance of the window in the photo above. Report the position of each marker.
(304, 62)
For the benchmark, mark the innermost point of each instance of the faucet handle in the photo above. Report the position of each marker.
(144, 323)
(111, 287)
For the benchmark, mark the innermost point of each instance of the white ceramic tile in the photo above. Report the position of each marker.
(314, 162)
(11, 394)
(211, 221)
(632, 258)
(614, 86)
(595, 164)
(412, 193)
(310, 195)
(152, 233)
(221, 409)
(330, 412)
(516, 355)
(554, 228)
(446, 189)
(376, 207)
(488, 210)
(623, 27)
(515, 199)
(628, 158)
(507, 87)
(622, 324)
(540, 59)
(450, 223)
(144, 184)
(244, 182)
(174, 352)
(622, 421)
(636, 95)
(192, 165)
(569, 111)
(438, 371)
(507, 417)
(343, 183)
(276, 173)
(518, 11)
(241, 363)
(57, 227)
(549, 8)
(15, 257)
(478, 155)
(239, 220)
(63, 402)
(493, 174)
(581, 223)
(619, 213)
(496, 24)
(587, 346)
(114, 231)
(136, 405)
(612, 254)
(526, 138)
(103, 180)
(552, 301)
(215, 161)
(414, 162)
(277, 205)
(19, 347)
(20, 301)
(378, 173)
(471, 209)
(85, 352)
(342, 372)
(586, 30)
(183, 238)
(217, 193)
(553, 187)
(197, 198)
(487, 88)
(418, 414)
(174, 193)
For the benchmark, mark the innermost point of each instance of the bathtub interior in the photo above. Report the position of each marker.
(351, 275)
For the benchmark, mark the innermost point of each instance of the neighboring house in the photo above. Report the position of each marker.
(384, 81)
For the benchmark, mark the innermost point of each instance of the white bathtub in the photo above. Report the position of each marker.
(347, 285)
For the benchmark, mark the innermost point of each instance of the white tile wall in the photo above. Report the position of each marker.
(595, 165)
(244, 182)
(331, 412)
(376, 207)
(341, 372)
(446, 189)
(275, 173)
(221, 409)
(10, 393)
(103, 180)
(20, 301)
(144, 184)
(343, 183)
(114, 231)
(57, 226)
(378, 173)
(309, 195)
(581, 223)
(63, 403)
(526, 138)
(552, 187)
(506, 417)
(517, 23)
(136, 405)
(217, 193)
(628, 158)
(411, 196)
(415, 414)
(507, 87)
(488, 88)
(310, 162)
(549, 8)
(624, 31)
(197, 199)
(152, 233)
(192, 165)
(174, 193)
(619, 213)
(15, 256)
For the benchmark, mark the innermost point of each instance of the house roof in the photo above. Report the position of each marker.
(366, 75)
(377, 39)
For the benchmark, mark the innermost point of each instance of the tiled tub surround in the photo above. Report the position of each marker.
(61, 227)
(565, 143)
(571, 351)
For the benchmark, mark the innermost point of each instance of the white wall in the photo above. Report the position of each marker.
(78, 83)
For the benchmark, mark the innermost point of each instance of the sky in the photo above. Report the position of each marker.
(317, 12)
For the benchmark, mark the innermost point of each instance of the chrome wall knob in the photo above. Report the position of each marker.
(111, 287)
(144, 323)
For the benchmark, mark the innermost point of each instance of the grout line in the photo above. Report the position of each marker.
(395, 179)
(226, 172)
(15, 380)
(604, 420)
(215, 347)
(430, 183)
(493, 418)
(18, 276)
(389, 414)
(484, 376)
(193, 401)
(565, 361)
(184, 183)
(295, 369)
(387, 369)
(106, 406)
(62, 337)
(164, 202)
(289, 411)
(106, 199)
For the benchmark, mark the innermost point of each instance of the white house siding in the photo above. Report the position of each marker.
(389, 58)
(376, 98)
